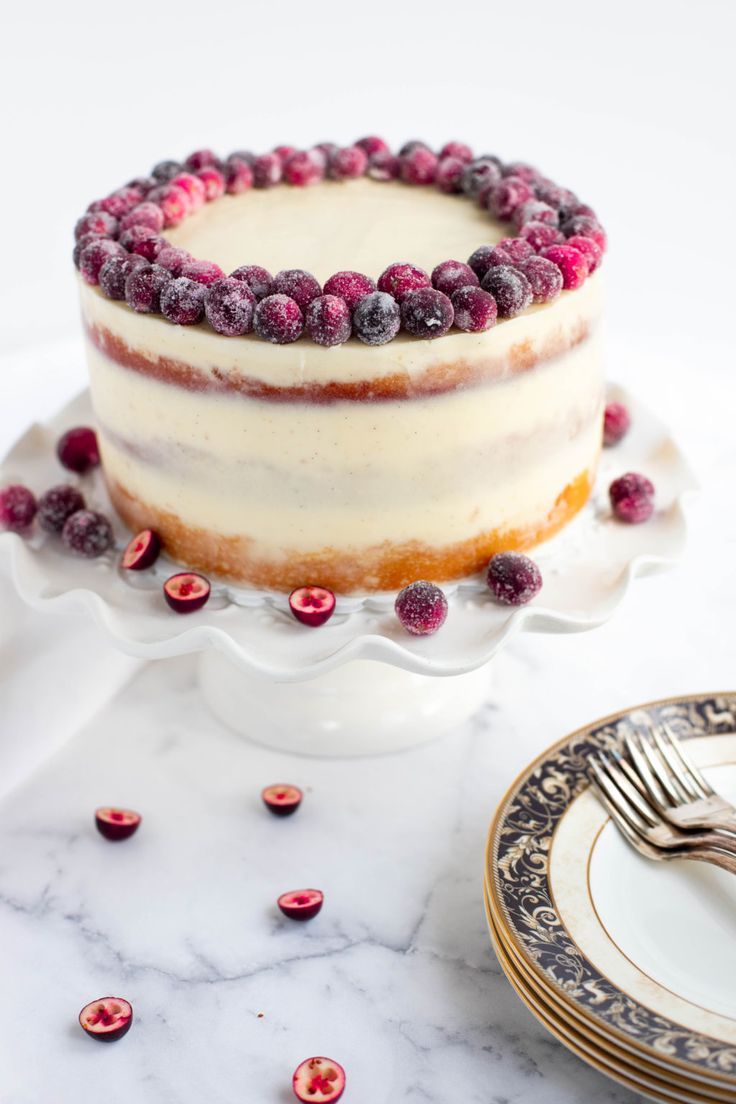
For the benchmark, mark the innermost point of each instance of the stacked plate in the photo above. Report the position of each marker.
(630, 963)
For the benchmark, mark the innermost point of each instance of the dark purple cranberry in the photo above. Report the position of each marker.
(426, 313)
(241, 155)
(587, 227)
(545, 278)
(238, 176)
(267, 170)
(421, 608)
(457, 149)
(479, 174)
(81, 244)
(350, 286)
(77, 449)
(484, 258)
(377, 318)
(541, 234)
(507, 195)
(448, 276)
(278, 319)
(552, 193)
(17, 507)
(373, 144)
(213, 180)
(166, 170)
(412, 145)
(383, 165)
(571, 263)
(257, 279)
(419, 166)
(518, 249)
(616, 423)
(347, 163)
(143, 184)
(590, 250)
(144, 214)
(182, 301)
(173, 201)
(535, 211)
(201, 159)
(143, 288)
(513, 579)
(475, 309)
(204, 272)
(449, 175)
(229, 305)
(304, 168)
(96, 222)
(94, 255)
(632, 498)
(299, 285)
(522, 170)
(328, 320)
(115, 271)
(58, 504)
(400, 278)
(87, 533)
(173, 258)
(142, 241)
(510, 288)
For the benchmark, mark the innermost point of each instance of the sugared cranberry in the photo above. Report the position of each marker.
(144, 214)
(377, 318)
(484, 257)
(87, 533)
(541, 234)
(518, 249)
(267, 170)
(304, 168)
(552, 193)
(214, 182)
(238, 176)
(94, 255)
(116, 824)
(571, 263)
(143, 287)
(419, 166)
(590, 250)
(401, 278)
(513, 579)
(282, 800)
(449, 175)
(458, 150)
(448, 276)
(201, 159)
(327, 149)
(17, 507)
(229, 305)
(426, 313)
(173, 258)
(241, 155)
(347, 164)
(507, 195)
(58, 504)
(383, 165)
(107, 1019)
(115, 271)
(522, 170)
(173, 201)
(299, 285)
(632, 498)
(204, 272)
(312, 605)
(186, 592)
(77, 449)
(510, 288)
(142, 241)
(166, 170)
(411, 145)
(194, 186)
(327, 320)
(479, 175)
(587, 227)
(535, 211)
(142, 551)
(301, 904)
(257, 279)
(278, 319)
(421, 608)
(475, 309)
(372, 144)
(182, 301)
(350, 286)
(616, 423)
(96, 222)
(283, 153)
(117, 203)
(143, 184)
(545, 278)
(318, 1081)
(81, 244)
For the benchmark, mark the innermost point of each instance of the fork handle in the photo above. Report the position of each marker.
(715, 858)
(728, 825)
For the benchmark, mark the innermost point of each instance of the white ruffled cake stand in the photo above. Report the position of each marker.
(359, 684)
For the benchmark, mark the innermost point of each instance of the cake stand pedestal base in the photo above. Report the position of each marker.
(362, 708)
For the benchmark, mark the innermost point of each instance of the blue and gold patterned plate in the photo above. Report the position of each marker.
(638, 955)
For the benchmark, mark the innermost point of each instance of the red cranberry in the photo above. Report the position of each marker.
(303, 168)
(283, 153)
(534, 211)
(518, 249)
(77, 449)
(448, 276)
(401, 278)
(301, 904)
(507, 195)
(510, 288)
(204, 272)
(426, 313)
(326, 149)
(458, 150)
(377, 318)
(194, 186)
(421, 608)
(545, 278)
(587, 227)
(541, 234)
(96, 222)
(81, 244)
(142, 551)
(186, 592)
(418, 166)
(383, 165)
(590, 250)
(144, 285)
(214, 182)
(449, 175)
(327, 320)
(58, 504)
(347, 164)
(278, 319)
(144, 214)
(17, 507)
(350, 286)
(229, 305)
(632, 498)
(299, 285)
(118, 203)
(182, 301)
(173, 258)
(166, 170)
(143, 184)
(116, 824)
(143, 242)
(372, 144)
(107, 1019)
(238, 176)
(282, 800)
(312, 605)
(513, 579)
(115, 271)
(201, 159)
(552, 193)
(616, 423)
(318, 1080)
(87, 533)
(94, 255)
(173, 201)
(479, 175)
(475, 309)
(267, 170)
(257, 279)
(571, 263)
(241, 155)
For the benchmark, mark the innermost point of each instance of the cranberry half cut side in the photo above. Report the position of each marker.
(107, 1019)
(186, 592)
(142, 551)
(317, 1080)
(301, 904)
(312, 605)
(283, 800)
(116, 824)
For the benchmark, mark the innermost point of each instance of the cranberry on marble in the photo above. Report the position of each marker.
(115, 271)
(373, 144)
(17, 507)
(301, 904)
(94, 255)
(571, 263)
(116, 824)
(229, 305)
(513, 579)
(96, 222)
(347, 163)
(510, 288)
(616, 423)
(400, 278)
(87, 533)
(426, 313)
(194, 186)
(318, 1080)
(299, 285)
(448, 276)
(267, 170)
(589, 248)
(106, 1019)
(214, 182)
(78, 450)
(383, 166)
(173, 258)
(173, 201)
(419, 166)
(545, 278)
(282, 800)
(328, 321)
(204, 272)
(144, 285)
(278, 319)
(541, 234)
(182, 301)
(238, 176)
(377, 318)
(257, 279)
(507, 195)
(421, 608)
(475, 309)
(449, 175)
(144, 214)
(632, 498)
(350, 286)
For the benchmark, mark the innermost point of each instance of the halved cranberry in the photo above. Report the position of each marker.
(282, 800)
(319, 1079)
(109, 1018)
(312, 605)
(78, 450)
(142, 551)
(116, 824)
(186, 592)
(301, 904)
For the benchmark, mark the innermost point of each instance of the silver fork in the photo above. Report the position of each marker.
(648, 833)
(675, 786)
